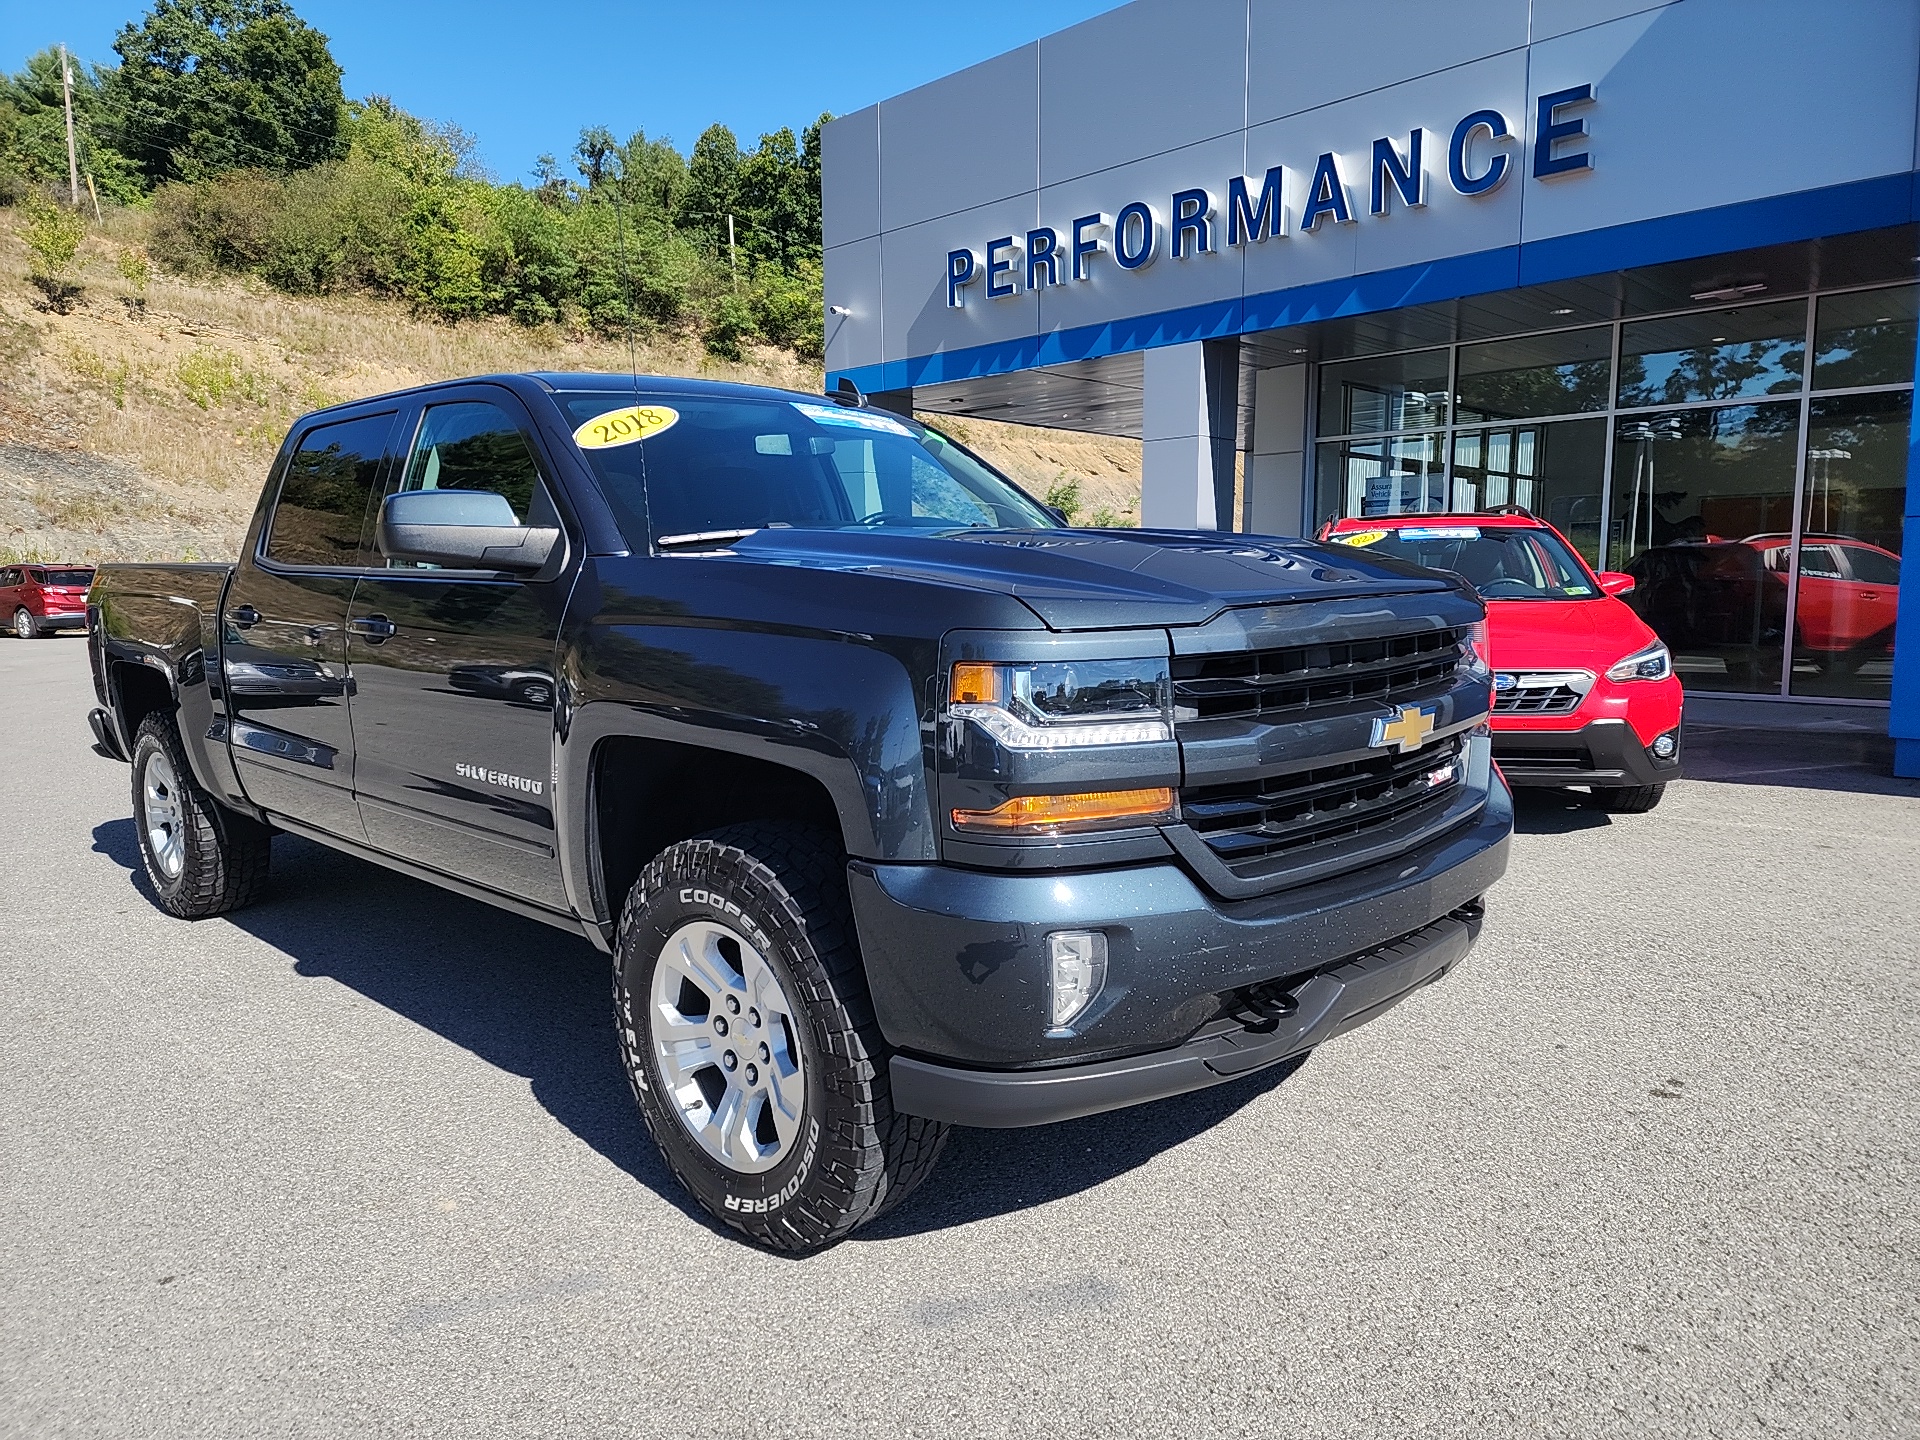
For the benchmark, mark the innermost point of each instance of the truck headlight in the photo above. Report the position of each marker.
(1060, 704)
(1655, 662)
(1476, 659)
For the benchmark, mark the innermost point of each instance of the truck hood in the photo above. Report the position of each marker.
(1104, 579)
(1563, 634)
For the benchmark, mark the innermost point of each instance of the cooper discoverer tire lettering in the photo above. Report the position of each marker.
(749, 1038)
(201, 858)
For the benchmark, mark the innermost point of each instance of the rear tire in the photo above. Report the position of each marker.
(25, 627)
(201, 858)
(750, 1040)
(1627, 799)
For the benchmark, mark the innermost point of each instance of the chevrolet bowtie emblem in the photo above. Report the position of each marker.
(1409, 729)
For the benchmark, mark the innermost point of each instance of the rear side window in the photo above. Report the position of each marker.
(323, 499)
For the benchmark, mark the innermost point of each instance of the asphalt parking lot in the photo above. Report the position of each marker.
(361, 1159)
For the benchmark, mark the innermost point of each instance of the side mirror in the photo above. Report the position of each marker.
(1616, 582)
(463, 530)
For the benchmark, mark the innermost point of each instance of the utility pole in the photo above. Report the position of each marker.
(73, 155)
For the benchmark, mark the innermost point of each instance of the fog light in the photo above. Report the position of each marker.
(1077, 967)
(1666, 746)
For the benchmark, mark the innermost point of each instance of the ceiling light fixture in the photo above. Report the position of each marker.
(1729, 292)
(1564, 310)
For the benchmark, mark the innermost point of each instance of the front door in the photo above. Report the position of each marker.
(454, 697)
(284, 641)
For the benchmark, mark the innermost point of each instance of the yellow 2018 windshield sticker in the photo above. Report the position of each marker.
(1362, 537)
(624, 427)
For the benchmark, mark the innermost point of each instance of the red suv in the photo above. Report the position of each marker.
(1583, 692)
(44, 599)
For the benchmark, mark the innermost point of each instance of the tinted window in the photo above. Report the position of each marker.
(711, 464)
(68, 577)
(1872, 567)
(473, 445)
(323, 499)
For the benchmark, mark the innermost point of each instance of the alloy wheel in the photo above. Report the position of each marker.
(162, 815)
(23, 624)
(726, 1040)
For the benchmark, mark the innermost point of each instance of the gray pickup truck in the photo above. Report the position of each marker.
(897, 803)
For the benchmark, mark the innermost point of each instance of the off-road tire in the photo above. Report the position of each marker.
(1627, 799)
(783, 888)
(226, 855)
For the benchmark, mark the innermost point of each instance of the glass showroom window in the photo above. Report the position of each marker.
(1753, 485)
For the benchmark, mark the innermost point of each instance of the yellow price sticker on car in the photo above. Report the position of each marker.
(1362, 537)
(624, 427)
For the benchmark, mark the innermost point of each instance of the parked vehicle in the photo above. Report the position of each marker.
(44, 599)
(1584, 692)
(897, 804)
(1849, 595)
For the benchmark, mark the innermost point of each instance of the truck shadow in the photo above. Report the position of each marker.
(1554, 812)
(528, 999)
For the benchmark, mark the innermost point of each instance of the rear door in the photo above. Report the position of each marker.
(453, 710)
(284, 639)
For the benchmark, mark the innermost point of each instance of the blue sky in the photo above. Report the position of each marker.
(524, 78)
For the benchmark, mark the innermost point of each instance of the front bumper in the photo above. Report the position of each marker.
(1605, 752)
(956, 959)
(1327, 1003)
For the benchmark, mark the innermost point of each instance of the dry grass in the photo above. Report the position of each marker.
(139, 425)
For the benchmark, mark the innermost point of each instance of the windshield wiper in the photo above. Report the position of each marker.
(704, 537)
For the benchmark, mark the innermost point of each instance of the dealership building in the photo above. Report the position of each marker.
(1646, 270)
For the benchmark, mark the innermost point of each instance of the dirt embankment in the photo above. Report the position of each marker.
(138, 424)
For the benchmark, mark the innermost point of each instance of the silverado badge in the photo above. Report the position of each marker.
(1409, 729)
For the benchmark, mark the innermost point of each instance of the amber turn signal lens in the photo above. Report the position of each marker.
(1055, 814)
(975, 684)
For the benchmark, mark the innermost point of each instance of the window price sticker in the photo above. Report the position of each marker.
(624, 427)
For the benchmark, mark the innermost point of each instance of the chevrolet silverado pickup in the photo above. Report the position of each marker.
(896, 802)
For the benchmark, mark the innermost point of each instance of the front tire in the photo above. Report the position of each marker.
(201, 858)
(750, 1041)
(1627, 799)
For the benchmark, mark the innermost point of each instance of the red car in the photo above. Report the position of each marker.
(44, 599)
(1584, 692)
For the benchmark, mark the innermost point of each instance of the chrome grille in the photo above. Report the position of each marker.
(1296, 682)
(1256, 819)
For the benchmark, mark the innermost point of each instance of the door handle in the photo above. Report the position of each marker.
(374, 629)
(246, 617)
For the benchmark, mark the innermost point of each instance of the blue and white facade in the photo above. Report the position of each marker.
(1645, 268)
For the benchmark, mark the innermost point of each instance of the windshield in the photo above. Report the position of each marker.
(81, 578)
(707, 468)
(1502, 563)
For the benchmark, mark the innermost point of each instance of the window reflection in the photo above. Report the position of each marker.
(1559, 374)
(1855, 493)
(1385, 392)
(1866, 338)
(1714, 355)
(1689, 488)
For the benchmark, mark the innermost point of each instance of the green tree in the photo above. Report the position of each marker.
(33, 129)
(713, 188)
(206, 86)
